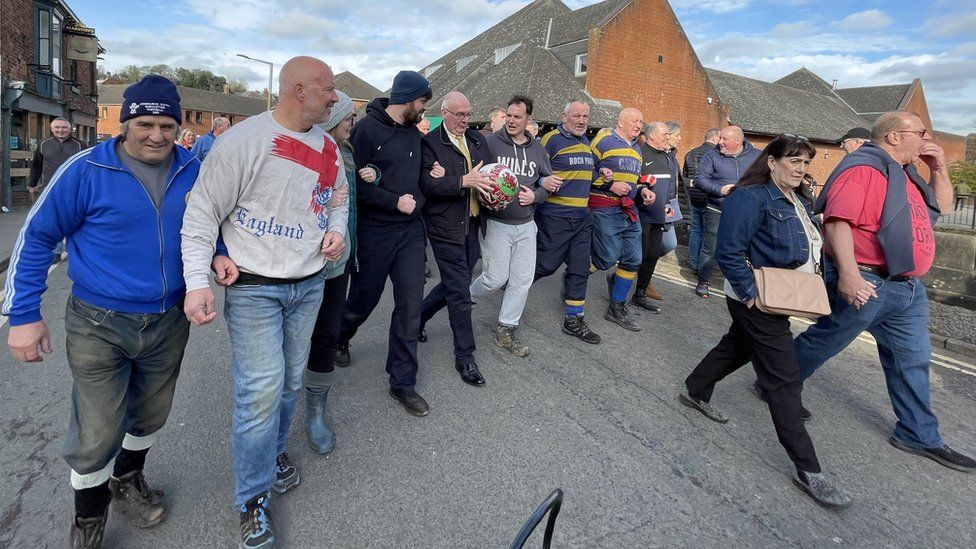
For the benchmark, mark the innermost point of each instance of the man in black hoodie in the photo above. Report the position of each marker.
(450, 180)
(390, 233)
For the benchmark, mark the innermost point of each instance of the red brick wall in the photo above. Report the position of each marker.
(623, 65)
(17, 37)
(108, 120)
(953, 145)
(916, 103)
(17, 43)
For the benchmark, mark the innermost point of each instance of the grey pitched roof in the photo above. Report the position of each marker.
(576, 25)
(532, 71)
(875, 99)
(355, 87)
(804, 79)
(772, 109)
(194, 99)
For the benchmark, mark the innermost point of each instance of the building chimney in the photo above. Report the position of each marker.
(833, 84)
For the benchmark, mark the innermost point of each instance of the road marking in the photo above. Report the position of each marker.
(944, 361)
(3, 292)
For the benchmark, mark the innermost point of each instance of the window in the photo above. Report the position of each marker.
(104, 111)
(464, 62)
(660, 59)
(431, 70)
(47, 45)
(581, 64)
(199, 117)
(502, 53)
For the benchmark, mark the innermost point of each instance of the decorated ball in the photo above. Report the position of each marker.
(504, 187)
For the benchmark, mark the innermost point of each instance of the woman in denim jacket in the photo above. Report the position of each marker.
(767, 222)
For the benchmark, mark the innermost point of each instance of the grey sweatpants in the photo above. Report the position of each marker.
(507, 257)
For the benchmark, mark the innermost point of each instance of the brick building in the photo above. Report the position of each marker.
(200, 107)
(601, 54)
(47, 67)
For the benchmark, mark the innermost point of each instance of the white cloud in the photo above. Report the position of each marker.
(958, 24)
(868, 20)
(793, 30)
(714, 6)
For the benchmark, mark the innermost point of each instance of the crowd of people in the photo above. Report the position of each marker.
(303, 214)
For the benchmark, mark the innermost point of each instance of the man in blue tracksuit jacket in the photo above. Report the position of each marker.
(120, 205)
(718, 171)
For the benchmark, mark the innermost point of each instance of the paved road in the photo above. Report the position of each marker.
(601, 422)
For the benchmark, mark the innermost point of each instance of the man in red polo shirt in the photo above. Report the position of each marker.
(879, 216)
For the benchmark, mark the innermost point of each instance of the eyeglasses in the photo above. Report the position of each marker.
(461, 115)
(920, 133)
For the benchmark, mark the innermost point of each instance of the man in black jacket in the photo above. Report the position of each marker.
(390, 233)
(449, 178)
(697, 197)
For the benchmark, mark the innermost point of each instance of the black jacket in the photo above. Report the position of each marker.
(659, 164)
(49, 156)
(395, 150)
(697, 197)
(446, 211)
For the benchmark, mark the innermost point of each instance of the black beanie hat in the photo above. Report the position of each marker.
(407, 86)
(153, 95)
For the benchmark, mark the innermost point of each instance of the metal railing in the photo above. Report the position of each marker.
(963, 214)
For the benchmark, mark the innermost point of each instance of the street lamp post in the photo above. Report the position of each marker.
(270, 73)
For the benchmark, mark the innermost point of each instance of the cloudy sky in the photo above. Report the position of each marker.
(858, 43)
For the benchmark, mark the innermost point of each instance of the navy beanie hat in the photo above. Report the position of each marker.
(154, 95)
(407, 86)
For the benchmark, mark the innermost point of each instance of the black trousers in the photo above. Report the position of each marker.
(325, 336)
(651, 236)
(455, 263)
(394, 251)
(565, 240)
(767, 342)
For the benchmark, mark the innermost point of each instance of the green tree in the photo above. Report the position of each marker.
(237, 86)
(963, 176)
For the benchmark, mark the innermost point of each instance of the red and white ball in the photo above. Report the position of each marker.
(504, 187)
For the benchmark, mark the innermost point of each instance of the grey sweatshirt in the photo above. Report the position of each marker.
(265, 189)
(530, 163)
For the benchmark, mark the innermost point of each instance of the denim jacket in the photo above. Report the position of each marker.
(759, 224)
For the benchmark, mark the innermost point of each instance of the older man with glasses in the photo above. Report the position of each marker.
(879, 217)
(451, 156)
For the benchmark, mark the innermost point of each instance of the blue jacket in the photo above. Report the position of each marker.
(203, 144)
(336, 268)
(759, 224)
(125, 254)
(716, 170)
(895, 234)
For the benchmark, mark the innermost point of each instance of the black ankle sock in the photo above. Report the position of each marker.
(129, 460)
(92, 502)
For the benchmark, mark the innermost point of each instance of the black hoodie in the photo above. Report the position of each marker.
(395, 150)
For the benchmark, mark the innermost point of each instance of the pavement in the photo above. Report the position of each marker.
(10, 224)
(600, 422)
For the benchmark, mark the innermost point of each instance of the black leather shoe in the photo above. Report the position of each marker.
(470, 374)
(644, 302)
(944, 456)
(411, 401)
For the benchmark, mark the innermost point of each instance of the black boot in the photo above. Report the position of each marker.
(577, 327)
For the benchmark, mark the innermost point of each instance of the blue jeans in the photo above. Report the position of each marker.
(695, 235)
(706, 257)
(270, 328)
(898, 319)
(616, 240)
